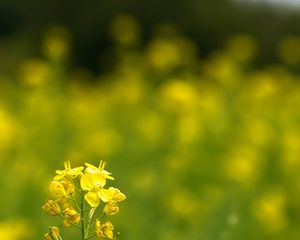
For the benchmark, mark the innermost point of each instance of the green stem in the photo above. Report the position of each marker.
(77, 189)
(82, 218)
(90, 237)
(75, 201)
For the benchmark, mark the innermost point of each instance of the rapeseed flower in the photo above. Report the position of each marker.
(93, 181)
(73, 188)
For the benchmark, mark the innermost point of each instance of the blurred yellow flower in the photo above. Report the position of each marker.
(8, 128)
(35, 72)
(242, 47)
(15, 229)
(57, 43)
(270, 210)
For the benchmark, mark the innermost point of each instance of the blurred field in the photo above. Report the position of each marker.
(203, 148)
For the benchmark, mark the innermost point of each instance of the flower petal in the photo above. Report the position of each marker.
(92, 199)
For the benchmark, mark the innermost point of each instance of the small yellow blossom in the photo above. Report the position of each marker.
(57, 189)
(111, 208)
(104, 230)
(113, 195)
(71, 217)
(68, 172)
(61, 188)
(51, 207)
(93, 182)
(107, 229)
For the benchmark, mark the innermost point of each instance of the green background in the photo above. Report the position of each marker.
(195, 107)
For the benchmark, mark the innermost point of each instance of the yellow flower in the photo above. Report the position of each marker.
(61, 188)
(107, 229)
(104, 230)
(71, 216)
(57, 189)
(98, 170)
(112, 195)
(68, 172)
(51, 208)
(93, 182)
(111, 208)
(93, 185)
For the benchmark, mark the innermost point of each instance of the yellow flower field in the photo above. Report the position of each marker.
(203, 148)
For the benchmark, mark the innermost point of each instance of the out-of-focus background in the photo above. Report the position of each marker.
(193, 104)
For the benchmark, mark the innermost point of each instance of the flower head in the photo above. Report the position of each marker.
(74, 186)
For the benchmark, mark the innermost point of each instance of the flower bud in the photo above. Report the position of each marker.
(57, 189)
(68, 186)
(104, 230)
(51, 207)
(107, 229)
(71, 216)
(111, 208)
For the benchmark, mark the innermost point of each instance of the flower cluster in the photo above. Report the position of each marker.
(79, 192)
